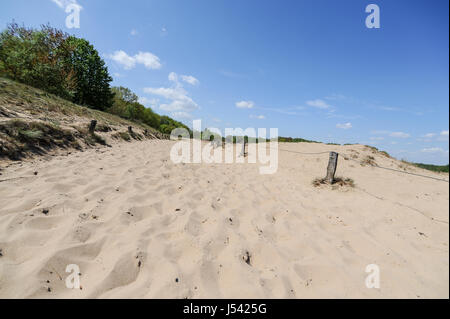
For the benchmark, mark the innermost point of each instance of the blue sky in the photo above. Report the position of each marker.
(310, 68)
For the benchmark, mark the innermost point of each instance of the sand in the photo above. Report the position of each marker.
(139, 226)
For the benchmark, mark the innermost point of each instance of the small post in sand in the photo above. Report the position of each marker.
(130, 129)
(243, 148)
(332, 164)
(92, 126)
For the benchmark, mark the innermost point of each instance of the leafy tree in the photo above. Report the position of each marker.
(125, 94)
(91, 75)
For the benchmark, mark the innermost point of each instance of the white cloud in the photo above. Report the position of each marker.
(259, 117)
(63, 4)
(180, 105)
(377, 138)
(185, 78)
(444, 133)
(399, 134)
(179, 101)
(429, 135)
(379, 132)
(344, 126)
(433, 150)
(163, 32)
(173, 77)
(133, 32)
(148, 102)
(181, 115)
(190, 79)
(123, 59)
(245, 104)
(320, 104)
(149, 60)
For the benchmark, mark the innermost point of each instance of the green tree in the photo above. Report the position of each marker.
(91, 75)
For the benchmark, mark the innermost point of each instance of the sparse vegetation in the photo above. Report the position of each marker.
(18, 137)
(294, 140)
(122, 135)
(377, 151)
(338, 181)
(368, 160)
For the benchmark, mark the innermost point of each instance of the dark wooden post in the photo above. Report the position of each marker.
(332, 164)
(92, 126)
(130, 129)
(243, 148)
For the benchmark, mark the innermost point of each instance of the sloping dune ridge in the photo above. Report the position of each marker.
(140, 226)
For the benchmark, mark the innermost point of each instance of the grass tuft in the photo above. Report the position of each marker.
(338, 182)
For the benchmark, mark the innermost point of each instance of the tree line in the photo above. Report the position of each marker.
(70, 67)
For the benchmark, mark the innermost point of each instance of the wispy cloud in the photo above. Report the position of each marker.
(318, 103)
(231, 74)
(245, 104)
(148, 102)
(259, 117)
(357, 102)
(182, 115)
(391, 134)
(163, 32)
(433, 150)
(63, 4)
(133, 32)
(190, 79)
(344, 126)
(399, 134)
(185, 78)
(149, 60)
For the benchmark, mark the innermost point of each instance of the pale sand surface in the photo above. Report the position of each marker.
(135, 222)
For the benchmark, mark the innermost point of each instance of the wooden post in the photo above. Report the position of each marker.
(243, 148)
(130, 129)
(332, 164)
(92, 126)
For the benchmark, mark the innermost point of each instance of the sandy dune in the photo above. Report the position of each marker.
(140, 226)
